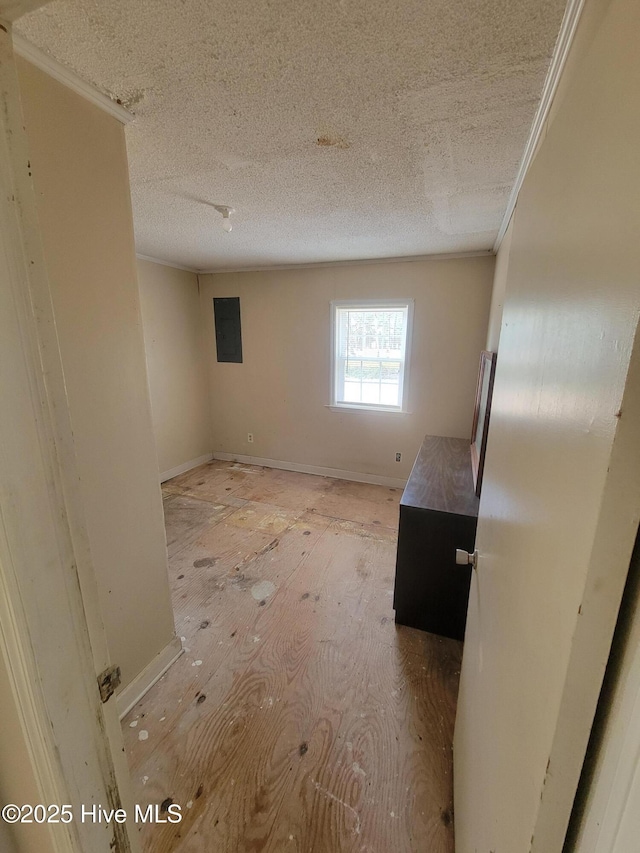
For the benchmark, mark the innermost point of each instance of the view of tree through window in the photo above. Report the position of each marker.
(370, 355)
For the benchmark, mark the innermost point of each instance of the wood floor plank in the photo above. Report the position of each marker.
(231, 616)
(215, 481)
(185, 519)
(361, 502)
(301, 717)
(287, 489)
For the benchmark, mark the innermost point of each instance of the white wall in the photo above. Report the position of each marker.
(561, 490)
(79, 165)
(178, 377)
(281, 391)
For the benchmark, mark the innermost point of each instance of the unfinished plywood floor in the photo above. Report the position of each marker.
(299, 718)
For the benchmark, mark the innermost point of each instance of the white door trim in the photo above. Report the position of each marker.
(615, 535)
(614, 795)
(51, 636)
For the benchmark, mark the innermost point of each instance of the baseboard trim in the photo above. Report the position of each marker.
(144, 681)
(186, 466)
(336, 473)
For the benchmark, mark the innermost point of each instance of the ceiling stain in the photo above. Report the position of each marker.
(131, 99)
(330, 141)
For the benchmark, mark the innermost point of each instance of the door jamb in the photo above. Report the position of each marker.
(51, 634)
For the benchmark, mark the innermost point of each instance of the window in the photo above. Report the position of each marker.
(370, 354)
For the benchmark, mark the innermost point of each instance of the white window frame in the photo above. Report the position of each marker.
(336, 376)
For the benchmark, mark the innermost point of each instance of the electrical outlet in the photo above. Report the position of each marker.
(398, 457)
(250, 437)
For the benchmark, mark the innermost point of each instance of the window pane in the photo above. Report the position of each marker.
(370, 371)
(390, 371)
(353, 369)
(389, 395)
(371, 333)
(370, 357)
(352, 392)
(355, 329)
(370, 393)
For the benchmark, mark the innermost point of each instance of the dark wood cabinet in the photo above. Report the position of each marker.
(438, 513)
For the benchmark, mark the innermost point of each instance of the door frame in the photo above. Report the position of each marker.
(51, 634)
(614, 541)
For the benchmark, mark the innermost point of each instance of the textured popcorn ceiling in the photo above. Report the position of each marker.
(338, 129)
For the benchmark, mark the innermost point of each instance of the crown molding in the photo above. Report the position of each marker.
(167, 263)
(69, 78)
(14, 9)
(558, 61)
(449, 256)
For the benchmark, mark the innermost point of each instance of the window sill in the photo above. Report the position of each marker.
(375, 409)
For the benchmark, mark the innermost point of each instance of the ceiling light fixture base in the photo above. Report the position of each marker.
(226, 212)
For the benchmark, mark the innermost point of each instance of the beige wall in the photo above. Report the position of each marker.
(281, 391)
(178, 379)
(499, 287)
(17, 781)
(79, 165)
